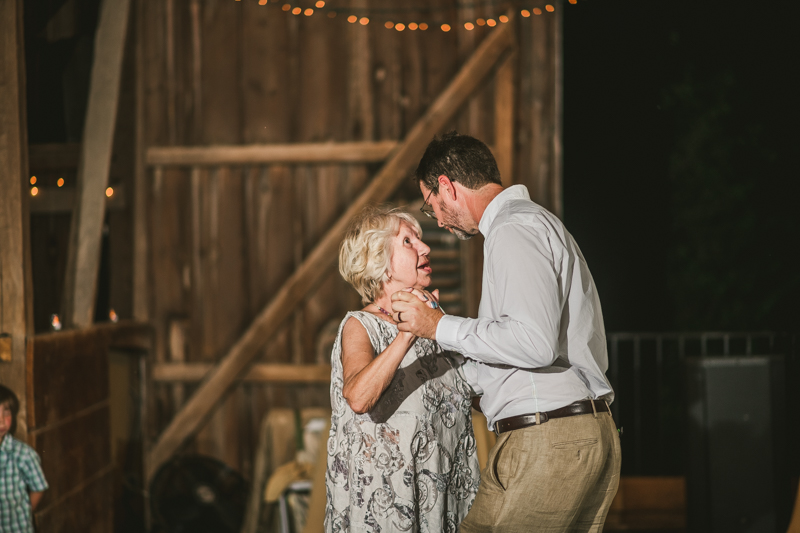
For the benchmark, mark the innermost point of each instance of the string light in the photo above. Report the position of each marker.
(364, 18)
(109, 192)
(55, 322)
(112, 315)
(33, 180)
(34, 191)
(60, 182)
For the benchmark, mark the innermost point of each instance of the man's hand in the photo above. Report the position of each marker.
(415, 315)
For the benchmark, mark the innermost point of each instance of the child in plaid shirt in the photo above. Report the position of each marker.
(22, 481)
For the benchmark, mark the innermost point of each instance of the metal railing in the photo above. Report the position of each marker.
(648, 374)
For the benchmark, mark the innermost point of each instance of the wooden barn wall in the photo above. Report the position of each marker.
(222, 240)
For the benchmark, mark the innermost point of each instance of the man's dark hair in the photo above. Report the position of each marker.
(7, 396)
(461, 158)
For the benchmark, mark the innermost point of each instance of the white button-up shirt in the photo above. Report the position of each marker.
(539, 341)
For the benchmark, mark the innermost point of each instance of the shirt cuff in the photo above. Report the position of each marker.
(447, 332)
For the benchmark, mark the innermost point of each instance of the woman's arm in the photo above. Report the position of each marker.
(365, 375)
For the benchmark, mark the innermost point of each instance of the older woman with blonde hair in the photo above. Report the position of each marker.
(401, 451)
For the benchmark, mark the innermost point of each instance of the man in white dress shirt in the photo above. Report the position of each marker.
(536, 353)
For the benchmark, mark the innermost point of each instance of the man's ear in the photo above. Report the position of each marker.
(445, 184)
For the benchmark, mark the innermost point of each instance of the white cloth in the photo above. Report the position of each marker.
(539, 341)
(409, 465)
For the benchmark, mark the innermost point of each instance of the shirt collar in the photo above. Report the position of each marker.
(7, 444)
(511, 193)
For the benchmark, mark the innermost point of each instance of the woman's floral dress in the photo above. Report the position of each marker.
(410, 463)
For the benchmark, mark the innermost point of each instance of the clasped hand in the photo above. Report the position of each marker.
(417, 311)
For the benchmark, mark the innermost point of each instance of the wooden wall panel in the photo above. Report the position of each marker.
(76, 450)
(89, 511)
(238, 72)
(69, 374)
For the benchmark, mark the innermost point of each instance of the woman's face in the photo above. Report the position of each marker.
(409, 266)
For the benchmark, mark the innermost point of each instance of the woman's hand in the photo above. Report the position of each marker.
(431, 299)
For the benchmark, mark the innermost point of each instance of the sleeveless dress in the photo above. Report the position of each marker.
(409, 464)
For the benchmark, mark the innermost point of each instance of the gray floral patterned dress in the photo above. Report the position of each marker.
(410, 463)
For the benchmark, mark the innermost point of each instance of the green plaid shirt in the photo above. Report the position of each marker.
(20, 473)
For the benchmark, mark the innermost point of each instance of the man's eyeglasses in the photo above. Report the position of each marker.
(426, 208)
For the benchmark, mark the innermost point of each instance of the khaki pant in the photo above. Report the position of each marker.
(555, 477)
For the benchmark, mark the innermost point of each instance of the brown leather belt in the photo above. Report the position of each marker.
(583, 407)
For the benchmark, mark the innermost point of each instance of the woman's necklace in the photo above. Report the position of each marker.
(382, 310)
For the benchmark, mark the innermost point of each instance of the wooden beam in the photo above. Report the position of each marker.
(16, 294)
(258, 373)
(349, 152)
(83, 257)
(316, 265)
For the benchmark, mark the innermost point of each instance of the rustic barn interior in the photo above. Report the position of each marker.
(176, 178)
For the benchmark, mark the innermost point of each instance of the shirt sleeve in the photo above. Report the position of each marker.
(32, 474)
(524, 288)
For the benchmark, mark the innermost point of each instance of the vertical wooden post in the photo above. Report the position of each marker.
(16, 293)
(83, 258)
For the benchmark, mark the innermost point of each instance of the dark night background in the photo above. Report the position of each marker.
(680, 178)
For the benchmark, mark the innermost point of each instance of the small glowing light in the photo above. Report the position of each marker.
(296, 11)
(261, 2)
(363, 21)
(400, 26)
(549, 8)
(480, 22)
(525, 13)
(573, 1)
(469, 25)
(445, 27)
(320, 4)
(412, 26)
(112, 315)
(503, 19)
(308, 12)
(110, 192)
(537, 11)
(388, 24)
(331, 14)
(60, 182)
(352, 19)
(55, 322)
(33, 180)
(491, 23)
(286, 7)
(34, 191)
(423, 26)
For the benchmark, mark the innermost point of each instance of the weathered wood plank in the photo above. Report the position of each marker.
(141, 300)
(85, 237)
(504, 116)
(316, 265)
(258, 373)
(259, 154)
(89, 507)
(54, 156)
(16, 294)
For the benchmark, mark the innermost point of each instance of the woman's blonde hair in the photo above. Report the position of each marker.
(365, 255)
